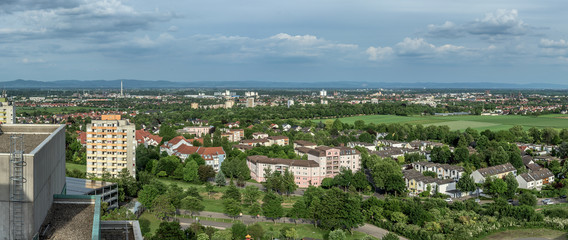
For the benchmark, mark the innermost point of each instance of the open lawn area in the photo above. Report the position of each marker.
(213, 201)
(71, 166)
(503, 122)
(534, 234)
(148, 223)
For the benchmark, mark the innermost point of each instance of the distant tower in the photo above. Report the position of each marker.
(121, 93)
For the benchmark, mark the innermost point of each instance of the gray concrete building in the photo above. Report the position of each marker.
(32, 170)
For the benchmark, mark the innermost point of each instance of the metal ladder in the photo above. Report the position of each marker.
(17, 182)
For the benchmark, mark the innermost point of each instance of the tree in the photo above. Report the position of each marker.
(337, 209)
(292, 234)
(220, 179)
(430, 173)
(255, 209)
(202, 236)
(527, 198)
(495, 187)
(360, 181)
(232, 192)
(251, 194)
(209, 188)
(466, 183)
(381, 169)
(256, 231)
(337, 234)
(390, 236)
(272, 206)
(169, 231)
(498, 157)
(461, 154)
(512, 185)
(222, 235)
(288, 182)
(192, 204)
(232, 207)
(205, 172)
(239, 231)
(162, 207)
(190, 172)
(150, 192)
(395, 184)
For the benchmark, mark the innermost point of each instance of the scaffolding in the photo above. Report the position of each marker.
(17, 181)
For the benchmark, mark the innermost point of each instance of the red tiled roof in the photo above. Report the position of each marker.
(82, 137)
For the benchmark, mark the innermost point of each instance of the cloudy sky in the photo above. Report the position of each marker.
(513, 41)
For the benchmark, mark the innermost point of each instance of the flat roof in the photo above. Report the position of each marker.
(69, 221)
(33, 134)
(79, 186)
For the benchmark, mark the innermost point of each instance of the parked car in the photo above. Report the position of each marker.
(477, 200)
(563, 197)
(448, 200)
(547, 201)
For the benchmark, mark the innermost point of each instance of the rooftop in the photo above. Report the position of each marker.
(79, 186)
(34, 135)
(69, 221)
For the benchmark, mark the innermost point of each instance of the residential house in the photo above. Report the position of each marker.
(148, 139)
(213, 156)
(443, 171)
(198, 131)
(302, 143)
(499, 171)
(417, 183)
(279, 140)
(255, 142)
(368, 146)
(259, 135)
(535, 180)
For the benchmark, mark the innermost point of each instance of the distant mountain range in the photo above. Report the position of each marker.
(145, 84)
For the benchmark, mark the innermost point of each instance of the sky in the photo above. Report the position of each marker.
(510, 41)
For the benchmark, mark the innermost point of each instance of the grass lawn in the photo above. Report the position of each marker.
(71, 166)
(503, 122)
(148, 223)
(308, 230)
(537, 233)
(213, 202)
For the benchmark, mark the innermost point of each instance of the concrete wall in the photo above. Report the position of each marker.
(45, 175)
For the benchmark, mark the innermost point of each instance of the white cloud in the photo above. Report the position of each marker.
(379, 53)
(31, 61)
(502, 22)
(548, 43)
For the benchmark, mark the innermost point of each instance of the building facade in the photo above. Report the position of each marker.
(44, 174)
(111, 146)
(7, 110)
(499, 171)
(306, 172)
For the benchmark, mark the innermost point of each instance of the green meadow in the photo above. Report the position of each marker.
(502, 122)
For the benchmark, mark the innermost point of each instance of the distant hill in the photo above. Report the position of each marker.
(144, 84)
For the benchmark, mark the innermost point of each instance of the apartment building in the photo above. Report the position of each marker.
(7, 110)
(417, 183)
(198, 131)
(111, 146)
(213, 156)
(333, 159)
(306, 172)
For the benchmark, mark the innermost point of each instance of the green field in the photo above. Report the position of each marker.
(538, 233)
(71, 166)
(502, 122)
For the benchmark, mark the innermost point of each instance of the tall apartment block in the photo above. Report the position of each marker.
(7, 110)
(111, 146)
